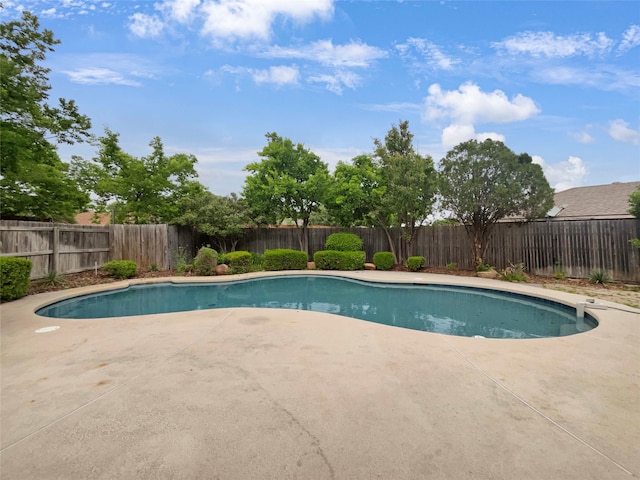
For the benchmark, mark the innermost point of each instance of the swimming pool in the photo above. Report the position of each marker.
(461, 311)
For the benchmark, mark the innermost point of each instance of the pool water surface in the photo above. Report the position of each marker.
(461, 311)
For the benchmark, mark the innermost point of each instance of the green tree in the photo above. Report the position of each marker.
(356, 192)
(35, 183)
(223, 218)
(137, 190)
(288, 183)
(482, 183)
(410, 181)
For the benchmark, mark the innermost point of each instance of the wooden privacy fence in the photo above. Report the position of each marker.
(54, 247)
(574, 247)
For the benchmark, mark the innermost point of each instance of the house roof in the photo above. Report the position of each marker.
(597, 201)
(87, 218)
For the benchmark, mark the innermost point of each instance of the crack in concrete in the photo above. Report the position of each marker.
(314, 440)
(527, 404)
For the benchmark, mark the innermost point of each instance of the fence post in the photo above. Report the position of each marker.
(55, 257)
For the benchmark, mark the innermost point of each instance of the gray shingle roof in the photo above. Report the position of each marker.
(598, 201)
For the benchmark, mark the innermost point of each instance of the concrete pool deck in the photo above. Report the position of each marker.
(278, 394)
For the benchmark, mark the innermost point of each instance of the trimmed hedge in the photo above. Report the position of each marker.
(121, 269)
(205, 262)
(383, 260)
(285, 259)
(336, 260)
(343, 242)
(239, 262)
(14, 278)
(416, 263)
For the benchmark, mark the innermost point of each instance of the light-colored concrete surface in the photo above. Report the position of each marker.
(279, 394)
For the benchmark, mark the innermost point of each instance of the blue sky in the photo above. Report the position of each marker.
(558, 80)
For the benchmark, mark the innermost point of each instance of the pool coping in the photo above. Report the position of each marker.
(573, 400)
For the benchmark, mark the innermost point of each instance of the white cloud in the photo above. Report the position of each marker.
(145, 26)
(335, 83)
(280, 75)
(456, 133)
(99, 76)
(630, 39)
(619, 130)
(247, 19)
(547, 44)
(429, 54)
(352, 54)
(180, 10)
(398, 107)
(563, 175)
(469, 105)
(601, 76)
(583, 137)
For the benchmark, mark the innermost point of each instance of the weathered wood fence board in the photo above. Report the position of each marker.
(573, 247)
(144, 244)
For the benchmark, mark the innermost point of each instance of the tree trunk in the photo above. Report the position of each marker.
(392, 246)
(303, 237)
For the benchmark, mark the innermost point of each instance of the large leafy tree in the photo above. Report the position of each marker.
(223, 218)
(290, 182)
(35, 183)
(356, 192)
(410, 181)
(137, 190)
(482, 183)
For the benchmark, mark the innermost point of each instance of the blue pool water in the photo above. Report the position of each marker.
(450, 310)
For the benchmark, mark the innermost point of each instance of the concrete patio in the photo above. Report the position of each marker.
(284, 394)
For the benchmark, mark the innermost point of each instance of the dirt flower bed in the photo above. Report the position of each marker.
(615, 292)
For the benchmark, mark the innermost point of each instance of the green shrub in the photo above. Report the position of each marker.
(337, 260)
(205, 262)
(121, 269)
(14, 277)
(285, 259)
(600, 277)
(383, 260)
(559, 275)
(257, 262)
(416, 263)
(451, 266)
(239, 262)
(343, 242)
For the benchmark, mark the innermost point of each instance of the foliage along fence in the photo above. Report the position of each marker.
(574, 247)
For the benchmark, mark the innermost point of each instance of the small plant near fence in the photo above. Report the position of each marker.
(451, 266)
(483, 267)
(121, 269)
(600, 277)
(285, 259)
(14, 278)
(53, 279)
(182, 266)
(383, 260)
(205, 262)
(514, 273)
(416, 263)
